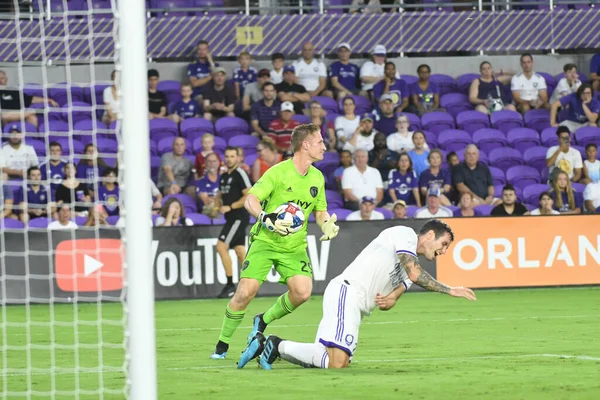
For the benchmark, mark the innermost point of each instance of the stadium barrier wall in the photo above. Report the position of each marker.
(488, 252)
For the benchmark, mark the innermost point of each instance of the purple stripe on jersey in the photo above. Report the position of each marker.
(340, 305)
(337, 346)
(323, 359)
(341, 312)
(405, 285)
(406, 252)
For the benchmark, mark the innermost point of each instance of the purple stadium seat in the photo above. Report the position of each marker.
(523, 138)
(411, 211)
(210, 7)
(334, 199)
(80, 221)
(522, 176)
(484, 209)
(454, 139)
(363, 105)
(303, 119)
(54, 127)
(161, 128)
(104, 145)
(446, 83)
(549, 137)
(331, 156)
(341, 213)
(460, 153)
(387, 214)
(171, 89)
(578, 187)
(498, 176)
(586, 135)
(189, 203)
(538, 119)
(154, 166)
(250, 158)
(550, 82)
(199, 219)
(245, 141)
(60, 93)
(38, 145)
(431, 139)
(582, 77)
(472, 121)
(536, 157)
(113, 219)
(192, 128)
(437, 121)
(78, 111)
(581, 150)
(505, 158)
(413, 120)
(38, 223)
(505, 120)
(165, 145)
(531, 193)
(88, 125)
(409, 79)
(33, 89)
(43, 110)
(220, 220)
(95, 95)
(9, 223)
(64, 143)
(228, 127)
(455, 103)
(464, 81)
(166, 5)
(489, 139)
(327, 167)
(153, 148)
(328, 104)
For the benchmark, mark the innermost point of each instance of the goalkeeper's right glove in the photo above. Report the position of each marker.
(272, 223)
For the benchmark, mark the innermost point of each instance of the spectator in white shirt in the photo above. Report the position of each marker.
(64, 219)
(401, 141)
(173, 214)
(546, 206)
(529, 88)
(363, 136)
(310, 72)
(567, 84)
(111, 101)
(372, 72)
(366, 212)
(278, 61)
(433, 208)
(564, 157)
(361, 180)
(591, 166)
(346, 125)
(591, 197)
(16, 157)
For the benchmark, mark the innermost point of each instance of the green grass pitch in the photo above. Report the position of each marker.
(513, 344)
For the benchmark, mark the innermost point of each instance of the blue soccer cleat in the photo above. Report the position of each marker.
(258, 325)
(220, 351)
(217, 356)
(252, 351)
(270, 353)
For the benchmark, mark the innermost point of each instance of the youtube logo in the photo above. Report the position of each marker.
(88, 265)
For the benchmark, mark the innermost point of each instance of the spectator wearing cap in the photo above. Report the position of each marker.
(289, 90)
(401, 140)
(381, 157)
(34, 200)
(186, 107)
(278, 62)
(253, 92)
(10, 103)
(16, 157)
(568, 84)
(386, 118)
(157, 100)
(467, 208)
(474, 177)
(63, 222)
(564, 157)
(366, 212)
(399, 209)
(392, 86)
(372, 71)
(265, 111)
(361, 180)
(433, 209)
(218, 96)
(310, 72)
(243, 74)
(529, 88)
(425, 95)
(280, 129)
(175, 170)
(403, 183)
(344, 75)
(346, 124)
(435, 175)
(318, 117)
(200, 72)
(581, 107)
(509, 206)
(363, 135)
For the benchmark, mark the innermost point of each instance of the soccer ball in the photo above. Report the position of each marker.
(293, 213)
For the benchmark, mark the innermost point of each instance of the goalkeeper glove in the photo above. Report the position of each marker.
(272, 223)
(329, 228)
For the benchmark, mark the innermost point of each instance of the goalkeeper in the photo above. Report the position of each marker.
(297, 181)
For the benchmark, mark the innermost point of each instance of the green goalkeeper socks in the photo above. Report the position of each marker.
(232, 320)
(280, 309)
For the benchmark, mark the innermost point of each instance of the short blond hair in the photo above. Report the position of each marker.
(208, 136)
(301, 132)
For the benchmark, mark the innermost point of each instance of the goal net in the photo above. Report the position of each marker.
(69, 307)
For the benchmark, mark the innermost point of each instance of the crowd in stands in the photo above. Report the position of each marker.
(398, 146)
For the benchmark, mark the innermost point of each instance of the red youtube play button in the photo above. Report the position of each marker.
(89, 265)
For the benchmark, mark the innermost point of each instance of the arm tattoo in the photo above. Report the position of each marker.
(411, 265)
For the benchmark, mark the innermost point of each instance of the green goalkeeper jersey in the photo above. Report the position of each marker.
(282, 184)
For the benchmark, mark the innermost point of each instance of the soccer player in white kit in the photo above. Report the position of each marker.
(378, 276)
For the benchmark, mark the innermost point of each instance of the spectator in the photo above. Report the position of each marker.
(200, 72)
(242, 160)
(591, 166)
(208, 144)
(345, 162)
(244, 74)
(63, 222)
(386, 119)
(108, 192)
(545, 206)
(112, 102)
(564, 156)
(371, 7)
(172, 213)
(399, 209)
(466, 206)
(419, 154)
(582, 109)
(265, 111)
(207, 186)
(344, 75)
(7, 201)
(10, 103)
(253, 92)
(372, 71)
(318, 117)
(278, 62)
(157, 100)
(363, 137)
(289, 90)
(186, 107)
(529, 88)
(591, 197)
(474, 177)
(72, 191)
(55, 166)
(267, 157)
(366, 212)
(359, 181)
(218, 96)
(381, 157)
(310, 72)
(280, 129)
(390, 85)
(175, 170)
(452, 159)
(433, 208)
(97, 216)
(486, 92)
(90, 166)
(566, 200)
(425, 95)
(16, 157)
(346, 125)
(509, 205)
(403, 183)
(35, 201)
(568, 84)
(436, 176)
(401, 140)
(595, 72)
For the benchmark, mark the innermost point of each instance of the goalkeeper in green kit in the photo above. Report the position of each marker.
(296, 181)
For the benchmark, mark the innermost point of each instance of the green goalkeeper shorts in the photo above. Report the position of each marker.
(262, 256)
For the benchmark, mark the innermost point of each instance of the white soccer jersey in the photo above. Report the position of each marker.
(563, 88)
(369, 68)
(528, 88)
(377, 270)
(308, 75)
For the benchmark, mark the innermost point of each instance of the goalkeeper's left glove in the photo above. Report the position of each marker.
(329, 228)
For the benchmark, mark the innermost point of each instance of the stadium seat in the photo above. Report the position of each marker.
(328, 104)
(331, 156)
(303, 119)
(446, 83)
(66, 148)
(409, 79)
(505, 158)
(60, 93)
(437, 121)
(550, 82)
(161, 128)
(167, 5)
(538, 119)
(431, 139)
(549, 137)
(104, 145)
(199, 219)
(250, 159)
(334, 199)
(189, 203)
(38, 223)
(463, 82)
(411, 211)
(9, 223)
(33, 89)
(505, 120)
(154, 166)
(413, 120)
(165, 145)
(454, 139)
(228, 127)
(498, 176)
(489, 139)
(327, 167)
(484, 209)
(455, 103)
(38, 145)
(523, 176)
(523, 138)
(95, 94)
(587, 135)
(153, 148)
(54, 127)
(171, 89)
(112, 219)
(472, 121)
(245, 141)
(536, 157)
(532, 193)
(578, 187)
(77, 111)
(192, 128)
(387, 214)
(341, 213)
(87, 127)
